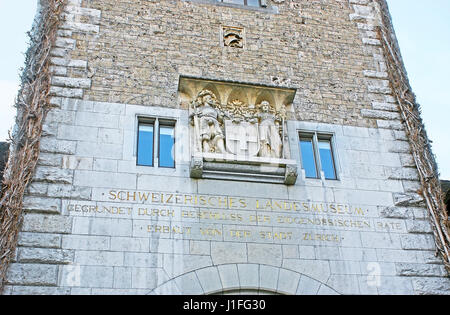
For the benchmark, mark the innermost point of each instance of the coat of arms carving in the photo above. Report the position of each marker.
(242, 138)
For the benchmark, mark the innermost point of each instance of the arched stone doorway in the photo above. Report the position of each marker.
(243, 279)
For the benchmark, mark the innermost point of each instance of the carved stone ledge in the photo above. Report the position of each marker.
(241, 168)
(291, 174)
(196, 167)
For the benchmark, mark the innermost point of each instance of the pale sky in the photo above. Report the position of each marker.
(422, 28)
(423, 32)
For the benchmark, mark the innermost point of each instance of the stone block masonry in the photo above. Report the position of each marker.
(97, 223)
(92, 226)
(309, 50)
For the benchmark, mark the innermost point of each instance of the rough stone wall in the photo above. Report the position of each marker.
(118, 59)
(144, 46)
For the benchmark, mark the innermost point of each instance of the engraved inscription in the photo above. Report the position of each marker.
(232, 218)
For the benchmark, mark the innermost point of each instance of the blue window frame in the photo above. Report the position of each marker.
(326, 158)
(317, 155)
(308, 156)
(156, 143)
(166, 146)
(145, 145)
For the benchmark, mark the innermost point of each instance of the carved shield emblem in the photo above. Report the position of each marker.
(242, 138)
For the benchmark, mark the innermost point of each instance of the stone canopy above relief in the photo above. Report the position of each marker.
(239, 132)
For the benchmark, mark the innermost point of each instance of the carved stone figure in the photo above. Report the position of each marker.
(269, 132)
(207, 121)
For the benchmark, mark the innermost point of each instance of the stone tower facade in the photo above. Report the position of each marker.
(207, 146)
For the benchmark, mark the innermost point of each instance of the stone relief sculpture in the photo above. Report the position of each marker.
(239, 132)
(233, 37)
(241, 129)
(237, 128)
(207, 120)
